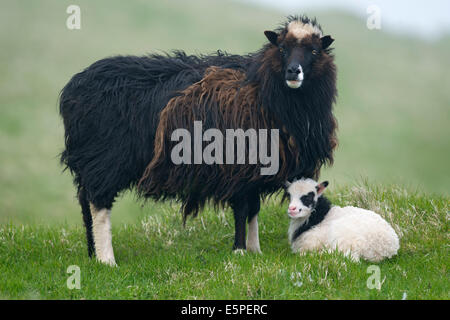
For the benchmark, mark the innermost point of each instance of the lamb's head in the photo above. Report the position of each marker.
(299, 50)
(303, 195)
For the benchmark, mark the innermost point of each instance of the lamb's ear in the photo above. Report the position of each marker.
(326, 41)
(272, 37)
(321, 187)
(287, 184)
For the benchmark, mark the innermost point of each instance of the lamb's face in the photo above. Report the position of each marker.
(303, 195)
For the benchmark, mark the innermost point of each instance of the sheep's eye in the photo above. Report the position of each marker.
(308, 199)
(314, 52)
(282, 50)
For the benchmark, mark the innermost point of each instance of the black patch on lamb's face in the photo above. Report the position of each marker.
(308, 199)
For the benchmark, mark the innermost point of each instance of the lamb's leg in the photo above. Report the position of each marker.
(101, 224)
(253, 234)
(240, 210)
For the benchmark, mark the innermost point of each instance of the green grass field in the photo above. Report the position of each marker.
(159, 259)
(393, 111)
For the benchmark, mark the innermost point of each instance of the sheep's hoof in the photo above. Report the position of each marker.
(108, 262)
(254, 250)
(239, 251)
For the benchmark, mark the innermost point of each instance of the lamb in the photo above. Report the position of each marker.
(316, 225)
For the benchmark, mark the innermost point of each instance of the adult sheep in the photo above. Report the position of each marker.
(120, 113)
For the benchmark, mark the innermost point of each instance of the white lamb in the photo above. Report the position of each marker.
(316, 225)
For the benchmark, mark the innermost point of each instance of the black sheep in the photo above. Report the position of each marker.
(119, 115)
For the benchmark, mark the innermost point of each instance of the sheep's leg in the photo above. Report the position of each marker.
(101, 224)
(253, 236)
(253, 233)
(87, 219)
(240, 210)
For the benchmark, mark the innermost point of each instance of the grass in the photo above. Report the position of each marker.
(159, 259)
(393, 130)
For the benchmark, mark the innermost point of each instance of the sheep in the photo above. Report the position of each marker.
(120, 115)
(316, 225)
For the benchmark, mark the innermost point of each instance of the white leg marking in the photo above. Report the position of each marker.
(253, 236)
(101, 225)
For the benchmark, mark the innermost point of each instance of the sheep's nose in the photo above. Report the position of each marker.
(292, 208)
(295, 69)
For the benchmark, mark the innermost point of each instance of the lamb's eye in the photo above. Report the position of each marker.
(314, 52)
(308, 199)
(281, 50)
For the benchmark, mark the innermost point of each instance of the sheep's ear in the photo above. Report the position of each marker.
(272, 37)
(287, 184)
(321, 187)
(326, 41)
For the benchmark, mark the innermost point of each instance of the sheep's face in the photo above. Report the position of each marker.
(303, 195)
(300, 46)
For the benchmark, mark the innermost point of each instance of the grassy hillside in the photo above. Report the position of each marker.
(393, 106)
(393, 112)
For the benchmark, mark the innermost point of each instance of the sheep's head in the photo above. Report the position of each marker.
(300, 50)
(303, 195)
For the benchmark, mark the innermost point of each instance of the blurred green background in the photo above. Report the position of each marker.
(393, 106)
